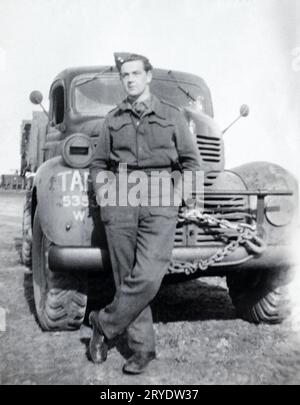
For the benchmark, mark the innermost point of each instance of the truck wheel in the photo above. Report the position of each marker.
(60, 298)
(26, 233)
(259, 296)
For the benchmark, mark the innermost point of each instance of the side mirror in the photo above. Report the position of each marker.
(36, 97)
(244, 110)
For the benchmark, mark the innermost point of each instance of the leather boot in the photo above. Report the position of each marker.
(98, 344)
(138, 362)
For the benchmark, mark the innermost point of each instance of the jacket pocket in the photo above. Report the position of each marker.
(118, 123)
(162, 133)
(121, 133)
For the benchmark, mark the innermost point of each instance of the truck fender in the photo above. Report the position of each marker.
(270, 176)
(64, 203)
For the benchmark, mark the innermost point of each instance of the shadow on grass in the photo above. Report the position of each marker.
(193, 300)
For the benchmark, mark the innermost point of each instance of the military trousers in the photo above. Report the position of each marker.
(140, 241)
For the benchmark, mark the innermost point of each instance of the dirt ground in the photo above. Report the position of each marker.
(199, 339)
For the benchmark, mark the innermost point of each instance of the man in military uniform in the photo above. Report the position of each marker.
(147, 134)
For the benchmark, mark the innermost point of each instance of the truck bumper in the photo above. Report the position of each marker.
(63, 259)
(273, 257)
(94, 259)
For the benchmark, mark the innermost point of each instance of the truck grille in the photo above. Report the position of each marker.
(210, 148)
(233, 208)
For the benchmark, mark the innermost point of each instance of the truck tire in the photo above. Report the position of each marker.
(259, 296)
(60, 298)
(26, 233)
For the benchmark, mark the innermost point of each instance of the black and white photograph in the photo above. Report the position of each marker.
(149, 195)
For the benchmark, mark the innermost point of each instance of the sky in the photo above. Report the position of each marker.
(247, 51)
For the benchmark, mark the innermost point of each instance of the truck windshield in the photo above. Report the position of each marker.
(99, 96)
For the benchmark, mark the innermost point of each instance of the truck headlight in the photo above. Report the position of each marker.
(77, 151)
(279, 210)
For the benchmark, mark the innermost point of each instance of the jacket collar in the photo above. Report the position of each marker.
(156, 107)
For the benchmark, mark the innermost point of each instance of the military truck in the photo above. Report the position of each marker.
(241, 233)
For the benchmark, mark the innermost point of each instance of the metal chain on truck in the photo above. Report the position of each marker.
(244, 234)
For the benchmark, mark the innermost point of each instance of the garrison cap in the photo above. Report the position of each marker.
(123, 57)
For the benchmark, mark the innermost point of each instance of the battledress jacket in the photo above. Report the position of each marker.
(159, 139)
